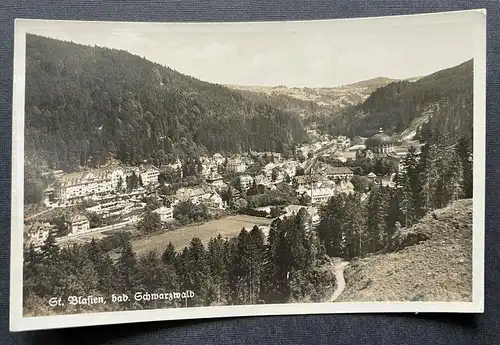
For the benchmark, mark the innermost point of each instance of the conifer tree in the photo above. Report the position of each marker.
(241, 274)
(149, 223)
(32, 257)
(75, 274)
(464, 152)
(257, 249)
(270, 269)
(378, 206)
(393, 214)
(104, 267)
(169, 255)
(153, 273)
(409, 181)
(354, 227)
(218, 269)
(330, 226)
(50, 250)
(126, 267)
(197, 275)
(429, 173)
(300, 253)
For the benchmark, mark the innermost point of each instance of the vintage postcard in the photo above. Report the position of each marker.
(193, 170)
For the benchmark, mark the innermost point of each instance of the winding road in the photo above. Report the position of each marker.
(338, 269)
(311, 161)
(36, 215)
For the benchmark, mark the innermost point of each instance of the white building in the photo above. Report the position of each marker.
(236, 165)
(245, 181)
(218, 159)
(79, 224)
(304, 150)
(82, 185)
(194, 195)
(343, 142)
(290, 168)
(118, 177)
(149, 175)
(214, 200)
(303, 182)
(208, 166)
(339, 173)
(340, 156)
(215, 180)
(292, 210)
(177, 165)
(166, 214)
(320, 195)
(267, 170)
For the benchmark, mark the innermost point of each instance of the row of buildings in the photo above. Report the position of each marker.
(107, 185)
(69, 189)
(37, 233)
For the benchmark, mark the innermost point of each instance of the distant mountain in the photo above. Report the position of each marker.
(86, 104)
(441, 100)
(318, 100)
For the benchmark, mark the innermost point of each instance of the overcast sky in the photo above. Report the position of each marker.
(314, 54)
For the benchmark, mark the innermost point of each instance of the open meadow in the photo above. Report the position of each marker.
(227, 227)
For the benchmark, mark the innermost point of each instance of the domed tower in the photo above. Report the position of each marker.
(381, 145)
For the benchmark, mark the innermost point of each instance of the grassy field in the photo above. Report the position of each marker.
(227, 227)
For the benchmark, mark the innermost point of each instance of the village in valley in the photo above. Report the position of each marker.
(140, 178)
(114, 198)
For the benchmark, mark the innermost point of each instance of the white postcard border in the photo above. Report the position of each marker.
(20, 323)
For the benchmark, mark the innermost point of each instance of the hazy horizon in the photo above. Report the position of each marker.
(327, 53)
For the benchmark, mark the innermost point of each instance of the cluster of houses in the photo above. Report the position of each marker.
(94, 184)
(320, 187)
(37, 233)
(108, 185)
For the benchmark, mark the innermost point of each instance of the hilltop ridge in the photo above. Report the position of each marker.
(443, 99)
(86, 104)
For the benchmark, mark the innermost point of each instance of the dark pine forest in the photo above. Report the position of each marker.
(446, 97)
(85, 104)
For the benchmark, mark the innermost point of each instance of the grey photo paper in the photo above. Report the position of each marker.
(169, 171)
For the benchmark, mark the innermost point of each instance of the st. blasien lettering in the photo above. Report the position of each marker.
(147, 188)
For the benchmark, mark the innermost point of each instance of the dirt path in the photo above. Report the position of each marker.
(338, 269)
(36, 215)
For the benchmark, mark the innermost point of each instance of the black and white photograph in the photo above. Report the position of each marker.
(196, 170)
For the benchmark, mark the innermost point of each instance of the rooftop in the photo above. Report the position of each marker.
(379, 139)
(338, 170)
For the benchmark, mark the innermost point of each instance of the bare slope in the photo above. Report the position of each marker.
(438, 269)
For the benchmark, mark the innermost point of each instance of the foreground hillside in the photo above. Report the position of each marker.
(321, 100)
(437, 269)
(444, 99)
(85, 104)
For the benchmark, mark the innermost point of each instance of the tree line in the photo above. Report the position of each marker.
(438, 175)
(247, 269)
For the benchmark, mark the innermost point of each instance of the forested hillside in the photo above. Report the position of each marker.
(445, 98)
(84, 104)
